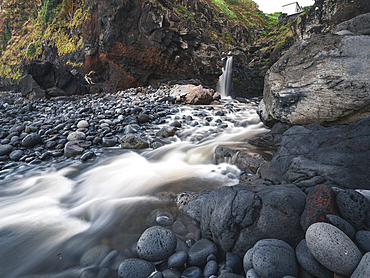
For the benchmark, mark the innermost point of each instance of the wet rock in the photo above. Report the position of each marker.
(73, 148)
(5, 149)
(211, 268)
(94, 256)
(354, 208)
(192, 272)
(171, 273)
(305, 157)
(359, 25)
(230, 275)
(272, 258)
(258, 211)
(333, 248)
(199, 252)
(363, 240)
(234, 261)
(164, 219)
(309, 263)
(341, 224)
(109, 142)
(75, 136)
(31, 140)
(16, 155)
(177, 260)
(135, 268)
(166, 131)
(86, 156)
(109, 259)
(251, 273)
(363, 268)
(320, 202)
(156, 243)
(179, 228)
(133, 141)
(143, 118)
(82, 124)
(197, 95)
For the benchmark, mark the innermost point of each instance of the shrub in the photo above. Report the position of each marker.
(31, 50)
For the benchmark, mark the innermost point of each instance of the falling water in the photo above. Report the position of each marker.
(225, 82)
(50, 217)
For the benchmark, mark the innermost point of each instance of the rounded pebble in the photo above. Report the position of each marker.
(5, 149)
(156, 243)
(363, 268)
(94, 255)
(363, 240)
(177, 260)
(135, 268)
(333, 248)
(199, 252)
(31, 140)
(341, 224)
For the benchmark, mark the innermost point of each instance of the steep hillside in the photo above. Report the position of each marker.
(127, 43)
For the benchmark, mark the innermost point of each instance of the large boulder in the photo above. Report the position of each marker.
(235, 218)
(324, 79)
(313, 154)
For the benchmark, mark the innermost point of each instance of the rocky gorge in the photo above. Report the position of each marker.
(172, 181)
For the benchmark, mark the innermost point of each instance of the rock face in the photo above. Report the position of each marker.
(133, 43)
(311, 155)
(324, 79)
(325, 14)
(235, 218)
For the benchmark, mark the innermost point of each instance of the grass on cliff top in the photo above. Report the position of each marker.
(36, 23)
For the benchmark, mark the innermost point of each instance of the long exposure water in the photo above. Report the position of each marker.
(51, 215)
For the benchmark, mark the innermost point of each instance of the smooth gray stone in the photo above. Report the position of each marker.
(363, 268)
(31, 140)
(341, 224)
(363, 240)
(333, 248)
(233, 261)
(109, 259)
(177, 260)
(248, 260)
(74, 136)
(251, 273)
(156, 275)
(354, 208)
(109, 142)
(230, 275)
(273, 258)
(309, 263)
(164, 218)
(199, 252)
(156, 243)
(133, 141)
(74, 148)
(171, 273)
(16, 155)
(211, 268)
(82, 124)
(192, 272)
(94, 255)
(179, 228)
(135, 268)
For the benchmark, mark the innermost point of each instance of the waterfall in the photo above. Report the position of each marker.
(224, 84)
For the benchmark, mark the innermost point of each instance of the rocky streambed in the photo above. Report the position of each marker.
(133, 185)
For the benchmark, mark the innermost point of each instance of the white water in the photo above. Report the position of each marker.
(225, 82)
(49, 219)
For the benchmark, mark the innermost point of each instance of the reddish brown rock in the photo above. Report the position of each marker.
(198, 96)
(320, 202)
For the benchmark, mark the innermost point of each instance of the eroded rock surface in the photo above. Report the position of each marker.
(324, 79)
(313, 154)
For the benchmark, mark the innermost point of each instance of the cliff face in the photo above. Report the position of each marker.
(134, 43)
(325, 15)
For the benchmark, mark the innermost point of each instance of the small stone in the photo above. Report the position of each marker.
(132, 141)
(164, 219)
(251, 273)
(156, 243)
(109, 259)
(320, 202)
(143, 118)
(83, 124)
(31, 140)
(166, 131)
(94, 255)
(192, 272)
(341, 224)
(109, 142)
(73, 148)
(233, 261)
(75, 136)
(86, 156)
(309, 263)
(179, 228)
(211, 268)
(363, 240)
(171, 273)
(333, 248)
(5, 149)
(354, 208)
(199, 252)
(177, 260)
(16, 155)
(363, 268)
(135, 268)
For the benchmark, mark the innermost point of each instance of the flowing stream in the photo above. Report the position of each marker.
(225, 82)
(50, 216)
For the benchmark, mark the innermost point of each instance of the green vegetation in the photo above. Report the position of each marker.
(224, 8)
(31, 50)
